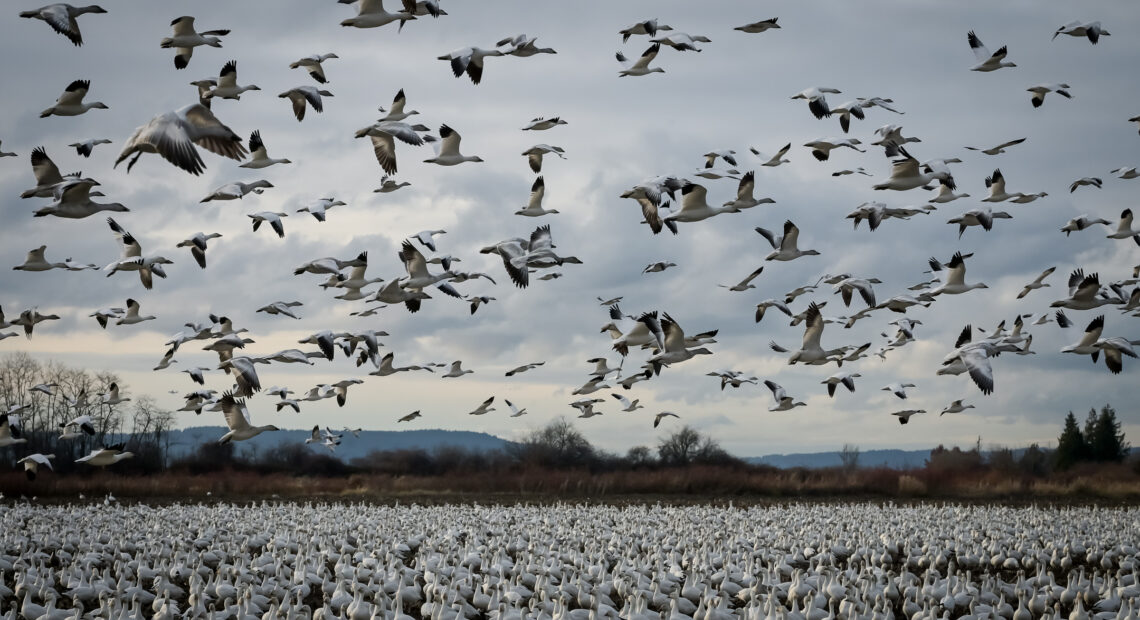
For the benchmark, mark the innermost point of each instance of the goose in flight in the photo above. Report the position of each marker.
(1037, 283)
(84, 423)
(411, 416)
(1085, 293)
(274, 219)
(522, 46)
(627, 405)
(387, 368)
(746, 283)
(783, 401)
(484, 408)
(523, 368)
(384, 135)
(810, 351)
(1121, 173)
(906, 174)
(821, 148)
(47, 389)
(905, 415)
(35, 261)
(1082, 222)
(10, 432)
(846, 289)
(845, 378)
(416, 266)
(515, 411)
(675, 347)
(185, 39)
(397, 112)
(237, 190)
(340, 388)
(534, 206)
(312, 64)
(898, 389)
(785, 246)
(299, 96)
(389, 185)
(371, 14)
(102, 457)
(1114, 350)
(456, 371)
(244, 372)
(658, 267)
(760, 26)
(996, 150)
(661, 416)
(470, 60)
(174, 134)
(955, 407)
(641, 65)
(70, 103)
(648, 27)
(594, 384)
(876, 212)
(281, 307)
(237, 419)
(30, 318)
(73, 201)
(542, 124)
(1039, 91)
(955, 282)
(259, 158)
(8, 153)
(448, 148)
(763, 306)
(1124, 228)
(682, 41)
(32, 463)
(519, 255)
(1085, 181)
(227, 86)
(318, 207)
(694, 206)
(744, 194)
(978, 217)
(1077, 28)
(62, 18)
(860, 170)
(86, 147)
(131, 258)
(986, 60)
(945, 194)
(816, 100)
(776, 159)
(197, 245)
(132, 316)
(974, 358)
(534, 155)
(478, 301)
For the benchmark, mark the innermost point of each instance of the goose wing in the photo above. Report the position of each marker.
(647, 57)
(956, 269)
(977, 362)
(813, 320)
(236, 415)
(131, 247)
(791, 236)
(674, 335)
(449, 144)
(414, 261)
(44, 168)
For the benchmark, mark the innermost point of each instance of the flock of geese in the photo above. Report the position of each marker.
(195, 135)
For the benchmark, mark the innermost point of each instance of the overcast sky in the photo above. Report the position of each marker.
(732, 95)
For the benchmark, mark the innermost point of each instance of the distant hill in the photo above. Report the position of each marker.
(898, 459)
(186, 440)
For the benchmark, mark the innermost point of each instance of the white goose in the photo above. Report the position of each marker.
(1124, 228)
(1085, 293)
(317, 208)
(515, 411)
(7, 153)
(522, 46)
(132, 316)
(174, 134)
(35, 261)
(945, 194)
(978, 217)
(70, 103)
(1039, 91)
(647, 27)
(197, 245)
(185, 39)
(955, 282)
(371, 14)
(62, 18)
(259, 158)
(746, 283)
(641, 65)
(1077, 28)
(32, 463)
(1082, 222)
(821, 148)
(274, 219)
(237, 190)
(227, 86)
(84, 148)
(694, 207)
(534, 155)
(469, 60)
(785, 246)
(816, 99)
(744, 194)
(996, 150)
(237, 419)
(627, 405)
(987, 61)
(774, 160)
(448, 148)
(906, 174)
(542, 123)
(810, 351)
(384, 134)
(682, 41)
(299, 96)
(389, 185)
(534, 206)
(783, 401)
(845, 378)
(955, 407)
(312, 64)
(905, 415)
(1128, 172)
(73, 201)
(102, 457)
(483, 408)
(416, 266)
(10, 433)
(674, 349)
(1037, 283)
(131, 258)
(760, 26)
(456, 371)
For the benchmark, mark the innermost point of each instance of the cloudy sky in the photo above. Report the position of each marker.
(732, 95)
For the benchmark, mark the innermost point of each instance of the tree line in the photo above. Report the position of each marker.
(1100, 441)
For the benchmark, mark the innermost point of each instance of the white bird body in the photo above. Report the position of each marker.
(259, 158)
(62, 18)
(303, 97)
(237, 419)
(70, 103)
(641, 65)
(1091, 30)
(783, 401)
(312, 64)
(448, 153)
(470, 60)
(786, 246)
(371, 14)
(987, 61)
(174, 134)
(237, 190)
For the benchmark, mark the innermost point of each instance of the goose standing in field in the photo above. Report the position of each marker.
(73, 201)
(447, 153)
(534, 206)
(783, 401)
(197, 245)
(906, 174)
(522, 46)
(62, 18)
(760, 26)
(1039, 91)
(816, 100)
(456, 371)
(846, 378)
(785, 246)
(648, 27)
(131, 258)
(744, 194)
(682, 41)
(641, 65)
(1085, 293)
(746, 283)
(237, 190)
(1124, 228)
(174, 134)
(185, 39)
(35, 261)
(259, 158)
(905, 415)
(102, 457)
(299, 96)
(70, 103)
(469, 60)
(996, 150)
(312, 64)
(318, 207)
(371, 14)
(542, 124)
(955, 407)
(534, 155)
(389, 185)
(484, 408)
(515, 411)
(132, 316)
(1082, 222)
(821, 148)
(774, 160)
(84, 148)
(978, 217)
(955, 282)
(274, 219)
(384, 135)
(1077, 28)
(32, 463)
(237, 419)
(986, 60)
(227, 86)
(1037, 282)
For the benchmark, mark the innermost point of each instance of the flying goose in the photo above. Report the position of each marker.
(10, 432)
(237, 419)
(389, 185)
(534, 155)
(1082, 222)
(1085, 181)
(483, 408)
(892, 135)
(1039, 91)
(227, 86)
(312, 64)
(783, 401)
(318, 207)
(760, 26)
(876, 212)
(986, 60)
(197, 245)
(447, 153)
(996, 150)
(675, 346)
(1091, 335)
(810, 351)
(84, 148)
(746, 283)
(978, 217)
(595, 384)
(776, 159)
(974, 358)
(627, 405)
(945, 194)
(469, 60)
(411, 416)
(519, 255)
(1085, 293)
(61, 18)
(860, 170)
(534, 206)
(300, 95)
(1077, 28)
(7, 153)
(237, 190)
(763, 306)
(641, 65)
(131, 258)
(542, 124)
(174, 134)
(73, 200)
(478, 301)
(70, 103)
(515, 411)
(658, 267)
(258, 158)
(905, 415)
(523, 368)
(785, 246)
(682, 41)
(274, 219)
(522, 46)
(48, 389)
(1114, 350)
(84, 423)
(102, 457)
(384, 134)
(185, 39)
(340, 388)
(1121, 173)
(1036, 283)
(955, 407)
(955, 282)
(821, 148)
(844, 377)
(35, 261)
(1124, 228)
(416, 266)
(32, 462)
(906, 174)
(132, 316)
(647, 27)
(456, 370)
(898, 389)
(371, 14)
(694, 206)
(661, 416)
(30, 318)
(817, 102)
(847, 287)
(744, 194)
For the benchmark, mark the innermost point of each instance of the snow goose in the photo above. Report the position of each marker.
(682, 41)
(84, 148)
(47, 389)
(394, 293)
(416, 266)
(785, 246)
(30, 318)
(72, 265)
(974, 358)
(694, 206)
(906, 174)
(312, 64)
(481, 300)
(760, 26)
(70, 103)
(534, 155)
(469, 60)
(898, 389)
(522, 46)
(978, 217)
(259, 158)
(84, 423)
(386, 367)
(627, 405)
(274, 219)
(515, 411)
(318, 207)
(111, 397)
(9, 154)
(174, 134)
(817, 102)
(448, 148)
(32, 463)
(132, 316)
(227, 86)
(132, 259)
(237, 419)
(456, 371)
(955, 282)
(955, 407)
(1124, 228)
(783, 401)
(484, 408)
(197, 245)
(384, 135)
(542, 124)
(340, 388)
(746, 283)
(821, 148)
(986, 60)
(945, 194)
(1085, 181)
(1039, 91)
(1037, 283)
(1077, 28)
(847, 287)
(73, 201)
(300, 95)
(843, 377)
(523, 368)
(197, 374)
(848, 109)
(641, 65)
(1121, 173)
(658, 267)
(102, 457)
(776, 159)
(661, 416)
(35, 261)
(371, 14)
(411, 416)
(237, 190)
(996, 150)
(810, 351)
(1082, 222)
(647, 27)
(10, 433)
(595, 384)
(185, 39)
(744, 194)
(905, 415)
(244, 373)
(763, 306)
(389, 185)
(534, 206)
(1135, 119)
(1085, 293)
(876, 212)
(397, 112)
(675, 347)
(892, 134)
(62, 18)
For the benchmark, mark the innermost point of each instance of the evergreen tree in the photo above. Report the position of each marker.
(1071, 444)
(1107, 441)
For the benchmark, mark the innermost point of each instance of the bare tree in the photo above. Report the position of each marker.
(680, 447)
(849, 456)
